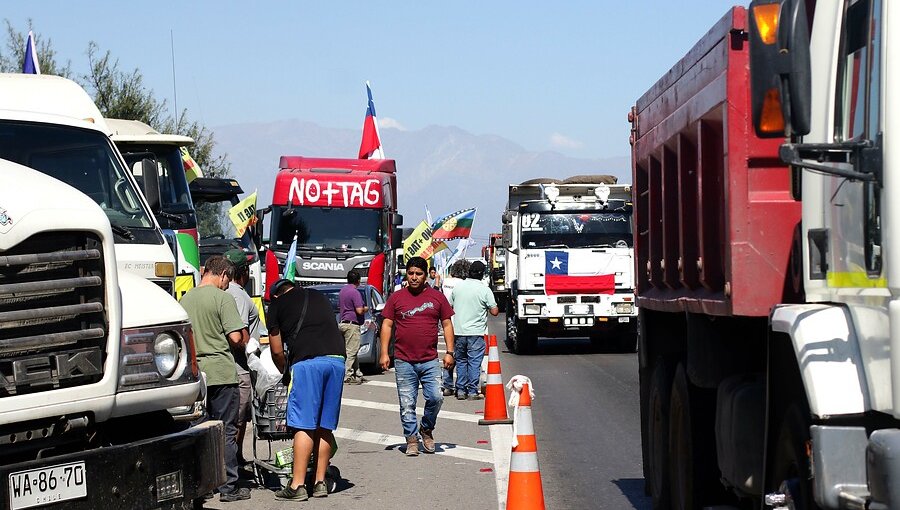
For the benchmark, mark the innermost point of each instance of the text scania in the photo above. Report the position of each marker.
(336, 193)
(323, 266)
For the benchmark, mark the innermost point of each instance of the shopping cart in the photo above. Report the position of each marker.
(270, 426)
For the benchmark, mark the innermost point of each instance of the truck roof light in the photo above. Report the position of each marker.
(552, 193)
(767, 17)
(772, 118)
(602, 193)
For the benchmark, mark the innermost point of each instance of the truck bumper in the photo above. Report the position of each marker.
(558, 327)
(161, 472)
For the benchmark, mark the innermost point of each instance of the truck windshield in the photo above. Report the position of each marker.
(327, 228)
(174, 196)
(576, 229)
(83, 159)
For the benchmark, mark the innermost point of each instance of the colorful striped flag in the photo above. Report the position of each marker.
(454, 226)
(370, 146)
(289, 268)
(31, 65)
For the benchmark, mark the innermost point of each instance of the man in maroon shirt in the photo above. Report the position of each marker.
(414, 311)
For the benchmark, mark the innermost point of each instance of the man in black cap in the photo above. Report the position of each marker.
(472, 300)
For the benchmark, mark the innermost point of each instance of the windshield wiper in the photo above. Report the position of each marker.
(122, 231)
(547, 246)
(173, 217)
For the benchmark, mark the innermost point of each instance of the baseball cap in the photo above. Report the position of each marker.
(237, 257)
(477, 267)
(277, 286)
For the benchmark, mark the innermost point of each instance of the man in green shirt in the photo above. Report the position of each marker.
(217, 327)
(472, 300)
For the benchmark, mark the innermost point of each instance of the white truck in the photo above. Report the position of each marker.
(569, 262)
(94, 347)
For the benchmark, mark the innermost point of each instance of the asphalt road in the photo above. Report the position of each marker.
(586, 422)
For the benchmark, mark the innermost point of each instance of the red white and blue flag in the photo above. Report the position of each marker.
(31, 65)
(370, 146)
(575, 273)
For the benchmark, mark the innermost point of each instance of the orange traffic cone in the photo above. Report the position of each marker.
(494, 397)
(524, 491)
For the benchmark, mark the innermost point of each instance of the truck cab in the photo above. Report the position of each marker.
(50, 124)
(569, 263)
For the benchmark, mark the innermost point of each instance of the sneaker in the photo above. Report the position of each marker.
(412, 446)
(289, 494)
(447, 392)
(320, 490)
(460, 396)
(235, 495)
(476, 396)
(428, 440)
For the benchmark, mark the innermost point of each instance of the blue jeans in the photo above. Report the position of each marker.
(409, 377)
(468, 351)
(447, 379)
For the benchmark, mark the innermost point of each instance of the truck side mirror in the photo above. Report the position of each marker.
(150, 183)
(397, 220)
(780, 74)
(396, 238)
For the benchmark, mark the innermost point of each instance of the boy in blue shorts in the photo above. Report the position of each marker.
(316, 368)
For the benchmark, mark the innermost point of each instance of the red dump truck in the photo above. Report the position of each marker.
(769, 341)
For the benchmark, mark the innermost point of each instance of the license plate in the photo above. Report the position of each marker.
(624, 319)
(532, 321)
(38, 487)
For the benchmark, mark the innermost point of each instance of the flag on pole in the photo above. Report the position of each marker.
(31, 65)
(191, 168)
(243, 214)
(460, 250)
(457, 225)
(289, 268)
(370, 146)
(575, 273)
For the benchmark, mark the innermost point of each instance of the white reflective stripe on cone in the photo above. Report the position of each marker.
(524, 427)
(495, 379)
(524, 462)
(493, 354)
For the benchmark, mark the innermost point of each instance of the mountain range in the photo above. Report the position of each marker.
(442, 167)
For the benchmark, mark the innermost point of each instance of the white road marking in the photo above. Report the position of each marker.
(501, 445)
(446, 449)
(395, 407)
(383, 384)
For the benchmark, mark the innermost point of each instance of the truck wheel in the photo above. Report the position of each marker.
(626, 339)
(693, 470)
(511, 333)
(526, 338)
(657, 433)
(790, 466)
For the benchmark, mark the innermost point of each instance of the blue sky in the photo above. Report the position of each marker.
(547, 75)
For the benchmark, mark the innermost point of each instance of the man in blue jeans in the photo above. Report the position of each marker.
(414, 311)
(472, 300)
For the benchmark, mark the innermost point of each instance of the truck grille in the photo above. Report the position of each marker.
(53, 321)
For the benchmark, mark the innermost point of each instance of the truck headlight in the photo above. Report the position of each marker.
(166, 354)
(624, 308)
(533, 309)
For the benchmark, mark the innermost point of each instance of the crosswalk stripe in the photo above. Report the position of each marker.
(383, 384)
(395, 407)
(446, 449)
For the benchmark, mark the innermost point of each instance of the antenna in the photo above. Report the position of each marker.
(174, 87)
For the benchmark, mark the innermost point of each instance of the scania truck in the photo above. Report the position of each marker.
(92, 356)
(569, 262)
(343, 215)
(768, 277)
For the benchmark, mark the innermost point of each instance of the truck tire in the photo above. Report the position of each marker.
(790, 474)
(520, 338)
(626, 338)
(693, 471)
(511, 332)
(657, 433)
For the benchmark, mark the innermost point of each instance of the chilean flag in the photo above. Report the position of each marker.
(31, 65)
(370, 146)
(577, 277)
